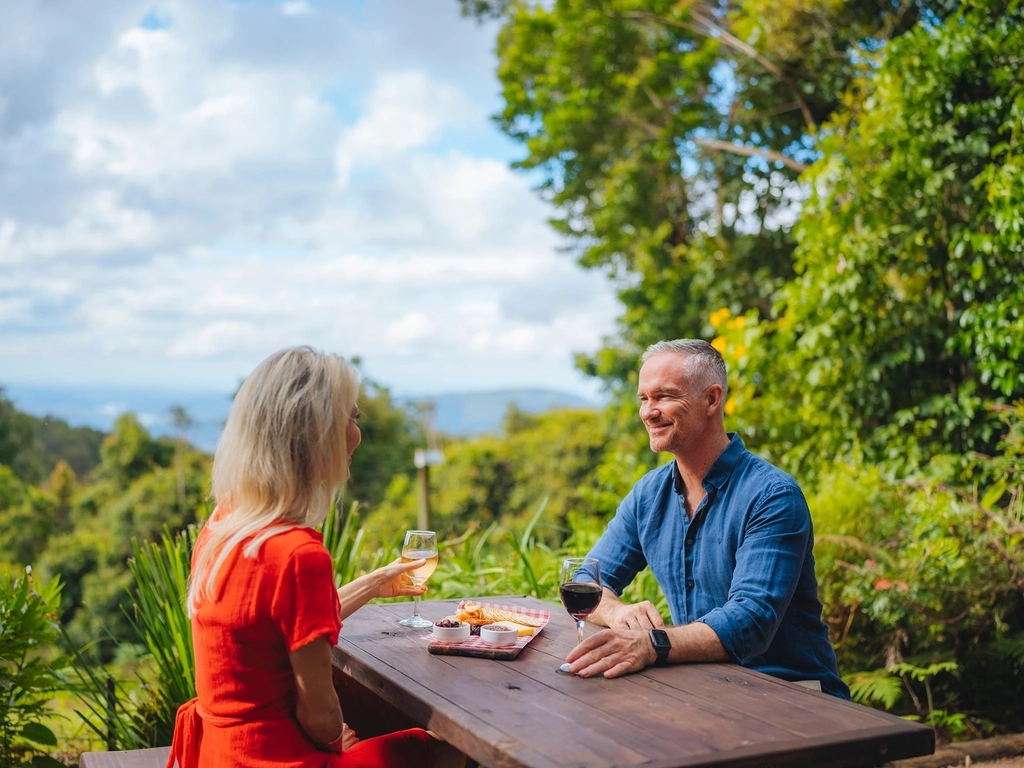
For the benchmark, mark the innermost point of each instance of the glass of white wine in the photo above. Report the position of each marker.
(419, 545)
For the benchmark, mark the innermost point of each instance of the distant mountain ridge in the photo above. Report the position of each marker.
(463, 414)
(475, 413)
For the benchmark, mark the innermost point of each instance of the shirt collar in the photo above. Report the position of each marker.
(720, 471)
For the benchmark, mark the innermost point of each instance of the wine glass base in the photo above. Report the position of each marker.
(417, 622)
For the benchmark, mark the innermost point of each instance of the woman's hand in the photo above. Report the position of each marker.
(392, 580)
(348, 737)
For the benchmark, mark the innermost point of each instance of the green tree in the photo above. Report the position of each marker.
(669, 136)
(15, 434)
(390, 438)
(79, 447)
(906, 319)
(129, 451)
(62, 487)
(183, 422)
(544, 460)
(32, 446)
(29, 516)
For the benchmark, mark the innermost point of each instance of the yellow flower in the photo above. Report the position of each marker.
(721, 344)
(736, 323)
(719, 316)
(741, 350)
(730, 406)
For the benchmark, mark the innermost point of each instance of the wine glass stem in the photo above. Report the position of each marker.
(416, 606)
(579, 632)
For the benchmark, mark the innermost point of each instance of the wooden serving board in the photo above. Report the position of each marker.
(474, 646)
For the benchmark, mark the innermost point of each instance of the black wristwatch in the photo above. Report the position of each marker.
(662, 645)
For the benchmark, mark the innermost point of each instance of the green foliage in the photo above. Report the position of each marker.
(492, 479)
(925, 575)
(390, 439)
(344, 538)
(30, 516)
(15, 435)
(138, 716)
(144, 487)
(669, 136)
(160, 618)
(905, 321)
(28, 627)
(32, 447)
(875, 687)
(129, 451)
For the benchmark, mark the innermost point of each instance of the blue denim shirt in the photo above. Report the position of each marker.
(743, 565)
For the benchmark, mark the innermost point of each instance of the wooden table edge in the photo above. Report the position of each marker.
(469, 736)
(910, 740)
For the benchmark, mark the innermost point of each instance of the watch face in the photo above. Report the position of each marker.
(662, 645)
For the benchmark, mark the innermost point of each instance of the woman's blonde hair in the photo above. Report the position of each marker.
(281, 458)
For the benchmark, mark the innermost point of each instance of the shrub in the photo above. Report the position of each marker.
(28, 626)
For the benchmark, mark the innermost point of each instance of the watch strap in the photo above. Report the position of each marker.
(662, 646)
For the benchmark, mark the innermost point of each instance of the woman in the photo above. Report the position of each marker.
(261, 596)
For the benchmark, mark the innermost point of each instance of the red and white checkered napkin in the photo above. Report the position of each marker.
(474, 641)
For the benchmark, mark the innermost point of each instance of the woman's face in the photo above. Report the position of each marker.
(353, 435)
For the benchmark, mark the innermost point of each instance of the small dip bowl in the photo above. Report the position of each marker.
(498, 634)
(452, 634)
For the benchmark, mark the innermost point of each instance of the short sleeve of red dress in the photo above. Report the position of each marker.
(305, 604)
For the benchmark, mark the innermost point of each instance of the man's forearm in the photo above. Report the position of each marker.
(695, 642)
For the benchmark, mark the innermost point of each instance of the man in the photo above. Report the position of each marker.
(727, 535)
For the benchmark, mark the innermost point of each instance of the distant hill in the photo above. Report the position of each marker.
(475, 413)
(457, 414)
(98, 406)
(32, 445)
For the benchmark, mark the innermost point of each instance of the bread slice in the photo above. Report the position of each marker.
(477, 615)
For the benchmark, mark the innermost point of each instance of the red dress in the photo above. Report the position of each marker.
(243, 715)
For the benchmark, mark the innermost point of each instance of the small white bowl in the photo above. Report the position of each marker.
(497, 634)
(452, 634)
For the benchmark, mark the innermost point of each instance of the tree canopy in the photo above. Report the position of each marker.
(669, 137)
(904, 324)
(838, 181)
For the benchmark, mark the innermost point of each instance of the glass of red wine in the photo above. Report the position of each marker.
(580, 589)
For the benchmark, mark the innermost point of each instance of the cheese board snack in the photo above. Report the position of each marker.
(450, 630)
(498, 634)
(478, 615)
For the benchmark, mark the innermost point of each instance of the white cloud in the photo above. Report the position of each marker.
(165, 112)
(172, 212)
(297, 8)
(102, 227)
(406, 110)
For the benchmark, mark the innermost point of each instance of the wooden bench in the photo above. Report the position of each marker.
(136, 758)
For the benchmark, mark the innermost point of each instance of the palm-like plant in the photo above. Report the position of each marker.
(144, 717)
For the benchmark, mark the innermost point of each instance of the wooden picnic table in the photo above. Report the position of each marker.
(522, 713)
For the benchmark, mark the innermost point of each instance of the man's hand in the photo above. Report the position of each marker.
(612, 653)
(639, 616)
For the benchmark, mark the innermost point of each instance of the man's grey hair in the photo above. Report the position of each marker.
(704, 363)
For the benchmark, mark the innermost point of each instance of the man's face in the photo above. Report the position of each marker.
(673, 413)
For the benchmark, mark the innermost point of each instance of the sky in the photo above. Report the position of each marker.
(188, 186)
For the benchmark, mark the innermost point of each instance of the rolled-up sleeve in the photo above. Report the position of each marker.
(618, 551)
(774, 546)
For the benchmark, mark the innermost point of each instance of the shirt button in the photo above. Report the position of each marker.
(689, 542)
(689, 583)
